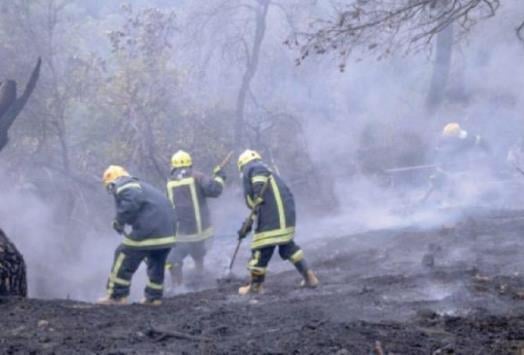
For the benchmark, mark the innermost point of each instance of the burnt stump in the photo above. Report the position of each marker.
(13, 281)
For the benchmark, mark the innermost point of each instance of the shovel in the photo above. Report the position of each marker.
(243, 230)
(248, 222)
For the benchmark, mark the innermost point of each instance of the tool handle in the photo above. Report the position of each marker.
(226, 160)
(249, 219)
(248, 223)
(234, 255)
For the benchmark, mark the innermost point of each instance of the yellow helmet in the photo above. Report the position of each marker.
(112, 173)
(246, 157)
(451, 130)
(181, 159)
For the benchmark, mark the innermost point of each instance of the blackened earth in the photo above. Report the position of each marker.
(454, 289)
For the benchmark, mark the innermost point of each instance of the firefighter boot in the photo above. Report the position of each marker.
(255, 285)
(150, 302)
(250, 288)
(108, 300)
(310, 279)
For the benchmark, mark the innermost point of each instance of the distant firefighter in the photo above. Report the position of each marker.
(457, 147)
(274, 205)
(153, 223)
(459, 157)
(188, 191)
(13, 280)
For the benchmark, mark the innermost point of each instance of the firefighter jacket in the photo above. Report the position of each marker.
(455, 153)
(148, 211)
(275, 213)
(188, 191)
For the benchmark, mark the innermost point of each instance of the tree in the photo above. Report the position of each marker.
(441, 68)
(240, 28)
(143, 83)
(252, 57)
(11, 105)
(382, 27)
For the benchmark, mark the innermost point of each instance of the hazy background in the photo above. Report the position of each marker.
(131, 85)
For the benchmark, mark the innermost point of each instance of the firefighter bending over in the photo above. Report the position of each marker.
(188, 191)
(153, 223)
(273, 202)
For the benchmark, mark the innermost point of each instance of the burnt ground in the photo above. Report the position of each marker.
(376, 297)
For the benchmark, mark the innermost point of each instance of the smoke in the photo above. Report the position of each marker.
(334, 109)
(64, 259)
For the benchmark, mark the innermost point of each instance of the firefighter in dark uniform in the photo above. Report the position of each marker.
(457, 147)
(153, 223)
(265, 191)
(458, 152)
(188, 191)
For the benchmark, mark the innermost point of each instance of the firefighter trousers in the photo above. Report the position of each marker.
(126, 262)
(260, 259)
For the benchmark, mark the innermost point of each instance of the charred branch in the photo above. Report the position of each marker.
(10, 106)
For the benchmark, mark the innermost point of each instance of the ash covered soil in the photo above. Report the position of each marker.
(377, 296)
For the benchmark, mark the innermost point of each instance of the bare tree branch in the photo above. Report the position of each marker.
(384, 26)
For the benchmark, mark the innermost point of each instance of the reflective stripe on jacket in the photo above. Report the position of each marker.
(148, 212)
(276, 213)
(188, 192)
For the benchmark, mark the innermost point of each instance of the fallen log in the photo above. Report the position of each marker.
(13, 281)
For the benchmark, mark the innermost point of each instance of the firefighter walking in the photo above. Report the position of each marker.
(153, 223)
(274, 205)
(188, 191)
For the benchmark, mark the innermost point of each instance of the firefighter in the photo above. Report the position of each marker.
(188, 191)
(459, 157)
(457, 147)
(153, 224)
(273, 202)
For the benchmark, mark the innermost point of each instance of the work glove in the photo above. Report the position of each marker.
(218, 171)
(244, 230)
(119, 228)
(111, 188)
(258, 201)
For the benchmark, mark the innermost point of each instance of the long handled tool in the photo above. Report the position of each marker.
(224, 162)
(248, 223)
(246, 226)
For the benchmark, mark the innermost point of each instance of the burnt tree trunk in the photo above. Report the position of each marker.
(11, 106)
(441, 70)
(252, 57)
(13, 280)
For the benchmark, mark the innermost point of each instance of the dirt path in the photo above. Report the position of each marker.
(375, 289)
